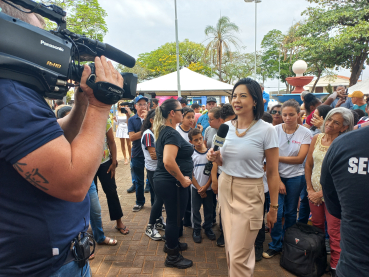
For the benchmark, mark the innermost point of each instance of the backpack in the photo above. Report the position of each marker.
(303, 252)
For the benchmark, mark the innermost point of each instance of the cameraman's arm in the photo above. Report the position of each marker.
(65, 170)
(71, 124)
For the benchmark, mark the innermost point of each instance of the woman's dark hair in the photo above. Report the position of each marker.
(323, 111)
(227, 111)
(361, 113)
(217, 112)
(187, 110)
(356, 116)
(161, 114)
(63, 111)
(146, 124)
(291, 103)
(257, 95)
(267, 117)
(276, 106)
(310, 100)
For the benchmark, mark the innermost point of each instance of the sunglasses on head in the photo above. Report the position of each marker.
(275, 112)
(178, 110)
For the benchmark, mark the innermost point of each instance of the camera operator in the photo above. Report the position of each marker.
(46, 170)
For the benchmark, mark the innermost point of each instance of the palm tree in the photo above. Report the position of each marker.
(222, 38)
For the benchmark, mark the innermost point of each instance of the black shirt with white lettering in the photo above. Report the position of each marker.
(345, 183)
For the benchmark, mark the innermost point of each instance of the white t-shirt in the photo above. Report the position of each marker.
(265, 181)
(184, 134)
(244, 156)
(147, 140)
(292, 149)
(199, 162)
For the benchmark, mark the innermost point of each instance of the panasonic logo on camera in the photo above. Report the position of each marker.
(52, 46)
(113, 90)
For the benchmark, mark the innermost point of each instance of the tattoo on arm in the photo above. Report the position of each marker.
(34, 177)
(173, 173)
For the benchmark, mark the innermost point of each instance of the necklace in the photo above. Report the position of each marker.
(289, 139)
(244, 133)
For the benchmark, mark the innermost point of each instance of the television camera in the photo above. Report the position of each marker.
(49, 61)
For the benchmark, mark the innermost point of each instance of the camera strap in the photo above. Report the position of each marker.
(105, 92)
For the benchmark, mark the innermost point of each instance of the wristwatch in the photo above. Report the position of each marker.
(274, 207)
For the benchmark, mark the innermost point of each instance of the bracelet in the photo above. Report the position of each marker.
(274, 207)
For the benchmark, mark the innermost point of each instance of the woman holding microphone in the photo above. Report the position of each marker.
(172, 176)
(241, 189)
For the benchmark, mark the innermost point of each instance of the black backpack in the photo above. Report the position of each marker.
(303, 252)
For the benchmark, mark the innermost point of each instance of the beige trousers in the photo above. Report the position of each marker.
(241, 201)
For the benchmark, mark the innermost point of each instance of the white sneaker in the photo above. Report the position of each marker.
(152, 233)
(160, 224)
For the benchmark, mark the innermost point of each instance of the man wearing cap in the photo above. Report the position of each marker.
(357, 98)
(211, 102)
(138, 158)
(183, 101)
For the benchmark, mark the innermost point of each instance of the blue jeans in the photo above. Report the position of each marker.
(304, 205)
(95, 214)
(138, 177)
(72, 270)
(287, 206)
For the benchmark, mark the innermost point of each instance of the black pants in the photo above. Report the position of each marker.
(188, 214)
(167, 190)
(110, 189)
(156, 207)
(261, 235)
(207, 204)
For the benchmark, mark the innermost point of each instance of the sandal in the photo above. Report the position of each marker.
(123, 231)
(110, 242)
(125, 161)
(92, 256)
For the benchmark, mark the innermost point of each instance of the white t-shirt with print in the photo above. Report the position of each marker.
(292, 149)
(244, 156)
(199, 162)
(148, 140)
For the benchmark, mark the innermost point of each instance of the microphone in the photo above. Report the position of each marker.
(119, 56)
(218, 141)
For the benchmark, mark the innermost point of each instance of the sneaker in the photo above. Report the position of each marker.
(131, 189)
(333, 272)
(152, 233)
(196, 235)
(220, 240)
(137, 208)
(160, 224)
(210, 234)
(147, 188)
(327, 246)
(181, 245)
(270, 253)
(258, 253)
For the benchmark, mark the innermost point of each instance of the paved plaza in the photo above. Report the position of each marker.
(137, 255)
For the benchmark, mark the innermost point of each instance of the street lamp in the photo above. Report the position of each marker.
(177, 51)
(256, 2)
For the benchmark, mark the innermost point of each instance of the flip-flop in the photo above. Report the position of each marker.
(110, 242)
(123, 229)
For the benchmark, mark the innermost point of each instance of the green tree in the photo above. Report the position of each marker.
(347, 24)
(163, 60)
(221, 39)
(84, 17)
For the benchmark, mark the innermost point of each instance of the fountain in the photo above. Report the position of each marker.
(299, 68)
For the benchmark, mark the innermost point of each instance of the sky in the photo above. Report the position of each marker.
(139, 26)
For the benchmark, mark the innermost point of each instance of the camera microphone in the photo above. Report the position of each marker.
(218, 141)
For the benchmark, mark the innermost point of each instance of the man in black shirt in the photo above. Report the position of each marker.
(345, 183)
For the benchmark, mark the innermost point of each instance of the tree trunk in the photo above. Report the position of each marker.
(220, 61)
(357, 67)
(316, 81)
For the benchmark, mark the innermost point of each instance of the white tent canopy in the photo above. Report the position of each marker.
(362, 86)
(192, 84)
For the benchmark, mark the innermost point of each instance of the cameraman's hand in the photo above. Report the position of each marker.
(105, 72)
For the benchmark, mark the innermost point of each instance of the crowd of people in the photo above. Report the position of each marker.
(273, 170)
